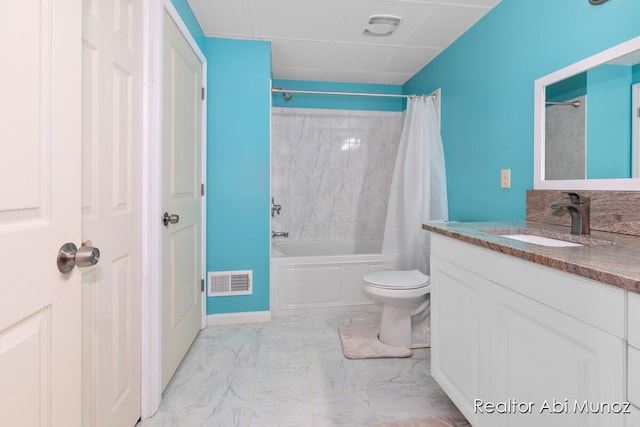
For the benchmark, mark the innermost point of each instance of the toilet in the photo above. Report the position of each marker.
(403, 295)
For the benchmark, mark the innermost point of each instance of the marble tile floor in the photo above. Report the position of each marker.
(291, 372)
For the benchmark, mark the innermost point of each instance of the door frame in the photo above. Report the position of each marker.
(635, 130)
(151, 203)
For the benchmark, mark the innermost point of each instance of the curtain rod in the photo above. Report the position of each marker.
(275, 89)
(572, 103)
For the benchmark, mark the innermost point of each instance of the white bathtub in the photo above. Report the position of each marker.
(308, 276)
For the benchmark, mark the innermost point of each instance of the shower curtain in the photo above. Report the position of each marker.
(418, 188)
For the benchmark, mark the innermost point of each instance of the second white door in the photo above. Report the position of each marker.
(182, 178)
(112, 70)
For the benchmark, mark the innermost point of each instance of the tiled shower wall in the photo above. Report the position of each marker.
(331, 172)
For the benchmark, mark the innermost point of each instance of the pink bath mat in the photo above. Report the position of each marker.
(361, 342)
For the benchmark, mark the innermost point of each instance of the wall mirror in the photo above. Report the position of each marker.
(587, 123)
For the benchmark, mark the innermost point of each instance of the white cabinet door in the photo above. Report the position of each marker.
(457, 333)
(543, 356)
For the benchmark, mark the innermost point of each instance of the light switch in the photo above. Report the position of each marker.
(505, 178)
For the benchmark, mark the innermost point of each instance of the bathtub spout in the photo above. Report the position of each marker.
(279, 234)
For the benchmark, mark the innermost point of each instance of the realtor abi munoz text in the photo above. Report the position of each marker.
(551, 406)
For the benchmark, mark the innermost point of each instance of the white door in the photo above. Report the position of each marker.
(181, 241)
(112, 53)
(40, 128)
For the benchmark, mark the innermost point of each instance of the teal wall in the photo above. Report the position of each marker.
(567, 89)
(487, 79)
(238, 166)
(238, 161)
(337, 102)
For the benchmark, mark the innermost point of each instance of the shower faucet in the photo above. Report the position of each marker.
(275, 208)
(279, 234)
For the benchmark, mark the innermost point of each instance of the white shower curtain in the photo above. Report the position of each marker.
(418, 188)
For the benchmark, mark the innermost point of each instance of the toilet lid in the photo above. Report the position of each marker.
(392, 279)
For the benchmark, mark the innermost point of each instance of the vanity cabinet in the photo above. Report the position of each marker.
(458, 333)
(544, 346)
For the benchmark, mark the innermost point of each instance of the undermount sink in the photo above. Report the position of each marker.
(547, 237)
(539, 240)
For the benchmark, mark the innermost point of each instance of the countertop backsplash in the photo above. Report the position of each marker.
(611, 211)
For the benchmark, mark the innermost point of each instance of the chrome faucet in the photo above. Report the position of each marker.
(279, 234)
(579, 210)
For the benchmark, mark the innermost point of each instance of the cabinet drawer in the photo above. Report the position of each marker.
(633, 375)
(592, 302)
(633, 316)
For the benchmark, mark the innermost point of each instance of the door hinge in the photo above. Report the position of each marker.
(202, 189)
(201, 285)
(203, 93)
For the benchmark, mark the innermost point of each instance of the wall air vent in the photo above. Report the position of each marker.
(223, 283)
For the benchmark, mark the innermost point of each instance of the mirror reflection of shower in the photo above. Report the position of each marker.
(285, 95)
(566, 139)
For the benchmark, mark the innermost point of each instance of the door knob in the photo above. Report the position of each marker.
(170, 219)
(69, 256)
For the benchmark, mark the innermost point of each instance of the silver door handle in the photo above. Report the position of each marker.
(170, 219)
(69, 256)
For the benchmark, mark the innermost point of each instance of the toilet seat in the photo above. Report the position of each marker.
(391, 279)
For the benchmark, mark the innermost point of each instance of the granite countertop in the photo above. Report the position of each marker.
(610, 258)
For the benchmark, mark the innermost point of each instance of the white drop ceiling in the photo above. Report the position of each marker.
(323, 40)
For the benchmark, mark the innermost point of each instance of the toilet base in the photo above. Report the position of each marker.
(421, 329)
(398, 329)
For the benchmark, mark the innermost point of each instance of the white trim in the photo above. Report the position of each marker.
(539, 183)
(206, 189)
(151, 375)
(151, 254)
(173, 13)
(635, 130)
(237, 318)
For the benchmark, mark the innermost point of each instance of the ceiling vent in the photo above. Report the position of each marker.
(382, 25)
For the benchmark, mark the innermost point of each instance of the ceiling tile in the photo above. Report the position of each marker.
(298, 54)
(358, 57)
(295, 19)
(445, 25)
(223, 17)
(410, 58)
(347, 76)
